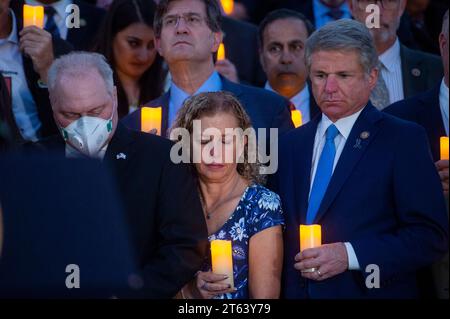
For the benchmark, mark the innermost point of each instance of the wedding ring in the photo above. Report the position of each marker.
(319, 273)
(309, 270)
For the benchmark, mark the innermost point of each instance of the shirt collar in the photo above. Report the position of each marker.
(59, 6)
(321, 10)
(302, 97)
(391, 57)
(298, 99)
(344, 125)
(212, 84)
(13, 36)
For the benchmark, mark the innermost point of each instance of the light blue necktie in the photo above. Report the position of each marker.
(323, 174)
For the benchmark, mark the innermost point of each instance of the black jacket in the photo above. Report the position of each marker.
(163, 209)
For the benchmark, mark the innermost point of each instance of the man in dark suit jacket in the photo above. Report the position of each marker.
(404, 72)
(81, 38)
(350, 171)
(430, 110)
(68, 239)
(190, 60)
(160, 198)
(35, 67)
(282, 37)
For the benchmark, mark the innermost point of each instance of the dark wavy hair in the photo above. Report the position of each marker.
(121, 14)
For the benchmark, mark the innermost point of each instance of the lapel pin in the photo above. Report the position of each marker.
(365, 135)
(121, 156)
(357, 144)
(416, 72)
(83, 22)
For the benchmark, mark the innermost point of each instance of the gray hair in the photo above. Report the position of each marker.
(77, 65)
(344, 35)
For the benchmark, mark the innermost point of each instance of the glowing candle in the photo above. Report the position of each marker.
(444, 148)
(297, 119)
(222, 260)
(221, 52)
(33, 15)
(310, 237)
(151, 119)
(228, 6)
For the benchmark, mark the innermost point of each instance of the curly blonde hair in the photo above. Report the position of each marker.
(212, 103)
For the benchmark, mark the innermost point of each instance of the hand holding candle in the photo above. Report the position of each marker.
(310, 237)
(444, 148)
(151, 118)
(33, 15)
(222, 260)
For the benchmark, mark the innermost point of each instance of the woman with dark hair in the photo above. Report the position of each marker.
(127, 41)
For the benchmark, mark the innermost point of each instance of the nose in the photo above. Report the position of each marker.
(142, 55)
(286, 57)
(181, 26)
(331, 84)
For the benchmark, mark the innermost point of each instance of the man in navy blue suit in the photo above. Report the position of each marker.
(430, 109)
(366, 177)
(187, 34)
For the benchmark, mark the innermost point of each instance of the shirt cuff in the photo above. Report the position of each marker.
(353, 263)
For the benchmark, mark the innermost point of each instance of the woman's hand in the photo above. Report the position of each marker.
(208, 285)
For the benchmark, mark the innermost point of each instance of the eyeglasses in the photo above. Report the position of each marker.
(387, 4)
(191, 19)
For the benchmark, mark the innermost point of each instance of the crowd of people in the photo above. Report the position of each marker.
(365, 163)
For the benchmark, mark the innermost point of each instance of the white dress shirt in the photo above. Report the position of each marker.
(60, 16)
(300, 101)
(23, 105)
(344, 127)
(443, 102)
(392, 72)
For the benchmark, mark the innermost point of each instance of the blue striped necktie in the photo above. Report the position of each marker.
(323, 174)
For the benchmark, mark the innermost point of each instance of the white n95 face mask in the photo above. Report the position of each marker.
(88, 134)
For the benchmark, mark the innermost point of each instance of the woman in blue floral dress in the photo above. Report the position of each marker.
(236, 206)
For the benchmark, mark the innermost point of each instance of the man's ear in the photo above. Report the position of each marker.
(217, 40)
(158, 45)
(402, 7)
(373, 78)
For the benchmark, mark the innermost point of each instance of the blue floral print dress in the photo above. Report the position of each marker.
(258, 209)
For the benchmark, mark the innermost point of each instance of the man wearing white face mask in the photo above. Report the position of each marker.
(160, 198)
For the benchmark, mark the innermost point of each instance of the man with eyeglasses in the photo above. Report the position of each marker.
(187, 34)
(404, 72)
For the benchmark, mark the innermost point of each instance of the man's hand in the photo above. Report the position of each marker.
(228, 70)
(328, 260)
(37, 44)
(442, 167)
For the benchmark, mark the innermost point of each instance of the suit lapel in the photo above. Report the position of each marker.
(354, 149)
(119, 152)
(411, 72)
